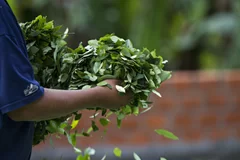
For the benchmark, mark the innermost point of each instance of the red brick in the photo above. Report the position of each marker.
(238, 133)
(139, 139)
(84, 124)
(181, 81)
(163, 140)
(42, 145)
(218, 134)
(217, 100)
(164, 87)
(182, 86)
(118, 138)
(209, 83)
(233, 119)
(234, 84)
(163, 104)
(191, 102)
(233, 79)
(236, 101)
(208, 120)
(208, 76)
(182, 76)
(153, 122)
(130, 124)
(59, 142)
(183, 121)
(233, 74)
(92, 141)
(192, 135)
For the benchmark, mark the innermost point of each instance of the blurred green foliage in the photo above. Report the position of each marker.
(190, 34)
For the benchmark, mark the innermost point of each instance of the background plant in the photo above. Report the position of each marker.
(203, 34)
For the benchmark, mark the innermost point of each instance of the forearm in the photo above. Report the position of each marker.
(56, 103)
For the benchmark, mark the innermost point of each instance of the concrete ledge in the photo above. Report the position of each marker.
(225, 150)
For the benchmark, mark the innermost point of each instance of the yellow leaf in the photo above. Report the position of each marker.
(74, 123)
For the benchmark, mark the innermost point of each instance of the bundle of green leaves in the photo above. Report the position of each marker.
(140, 71)
(58, 66)
(45, 45)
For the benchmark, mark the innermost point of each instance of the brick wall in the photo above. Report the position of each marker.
(201, 106)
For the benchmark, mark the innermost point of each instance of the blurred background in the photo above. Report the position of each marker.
(200, 104)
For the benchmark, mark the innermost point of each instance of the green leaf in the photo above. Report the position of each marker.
(77, 150)
(105, 131)
(165, 75)
(104, 121)
(93, 78)
(93, 43)
(81, 157)
(89, 151)
(68, 128)
(53, 124)
(34, 49)
(127, 109)
(166, 134)
(72, 139)
(121, 116)
(68, 60)
(115, 39)
(51, 141)
(86, 87)
(63, 77)
(109, 114)
(120, 89)
(103, 83)
(136, 157)
(161, 158)
(94, 115)
(29, 45)
(129, 77)
(104, 157)
(152, 85)
(63, 125)
(65, 33)
(117, 152)
(90, 129)
(146, 110)
(104, 111)
(129, 44)
(48, 25)
(96, 67)
(156, 69)
(94, 126)
(125, 52)
(85, 134)
(46, 49)
(78, 116)
(157, 93)
(119, 123)
(135, 111)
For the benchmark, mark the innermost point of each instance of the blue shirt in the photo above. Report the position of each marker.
(17, 88)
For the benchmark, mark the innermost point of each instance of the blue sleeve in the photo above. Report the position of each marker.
(17, 84)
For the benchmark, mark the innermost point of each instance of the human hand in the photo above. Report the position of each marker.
(110, 98)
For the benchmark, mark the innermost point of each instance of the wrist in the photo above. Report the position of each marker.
(97, 97)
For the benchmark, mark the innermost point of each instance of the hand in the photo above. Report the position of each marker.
(110, 98)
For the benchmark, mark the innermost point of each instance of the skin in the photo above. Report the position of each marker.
(57, 103)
